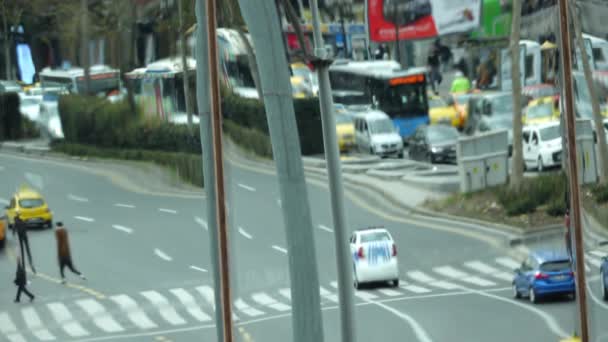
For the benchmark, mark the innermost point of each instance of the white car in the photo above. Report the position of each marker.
(375, 133)
(374, 257)
(542, 146)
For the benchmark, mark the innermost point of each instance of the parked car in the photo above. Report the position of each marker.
(542, 146)
(541, 110)
(375, 133)
(544, 273)
(374, 257)
(436, 143)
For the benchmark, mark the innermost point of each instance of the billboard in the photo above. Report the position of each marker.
(420, 19)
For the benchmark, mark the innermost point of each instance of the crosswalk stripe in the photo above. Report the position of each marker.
(246, 309)
(334, 284)
(34, 324)
(328, 295)
(135, 314)
(100, 316)
(8, 328)
(593, 261)
(165, 309)
(456, 274)
(426, 279)
(266, 300)
(415, 289)
(63, 316)
(489, 270)
(508, 263)
(190, 303)
(599, 253)
(365, 295)
(390, 293)
(285, 293)
(207, 293)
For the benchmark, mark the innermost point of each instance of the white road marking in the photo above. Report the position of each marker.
(83, 218)
(426, 279)
(8, 328)
(65, 319)
(190, 303)
(285, 293)
(246, 187)
(266, 300)
(207, 293)
(100, 316)
(334, 284)
(77, 198)
(328, 295)
(4, 201)
(198, 269)
(34, 324)
(389, 292)
(162, 255)
(365, 295)
(327, 229)
(123, 228)
(35, 180)
(415, 289)
(168, 211)
(508, 263)
(456, 274)
(246, 309)
(201, 222)
(244, 233)
(599, 253)
(122, 205)
(280, 249)
(593, 261)
(488, 270)
(135, 314)
(165, 309)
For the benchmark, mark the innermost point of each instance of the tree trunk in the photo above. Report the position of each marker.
(517, 162)
(182, 37)
(85, 46)
(597, 116)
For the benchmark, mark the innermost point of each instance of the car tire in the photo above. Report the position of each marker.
(604, 290)
(395, 283)
(533, 296)
(2, 243)
(401, 155)
(516, 293)
(371, 150)
(48, 224)
(572, 296)
(541, 166)
(429, 158)
(356, 283)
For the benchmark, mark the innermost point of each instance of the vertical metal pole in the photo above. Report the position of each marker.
(396, 21)
(204, 109)
(334, 172)
(575, 213)
(301, 8)
(84, 48)
(343, 26)
(185, 78)
(216, 125)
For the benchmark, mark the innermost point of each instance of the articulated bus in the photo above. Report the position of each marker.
(402, 94)
(103, 79)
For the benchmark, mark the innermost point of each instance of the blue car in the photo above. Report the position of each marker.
(604, 277)
(544, 273)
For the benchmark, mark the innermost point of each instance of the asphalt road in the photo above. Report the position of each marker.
(147, 262)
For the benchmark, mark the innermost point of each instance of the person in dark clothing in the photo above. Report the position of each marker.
(63, 252)
(21, 229)
(434, 64)
(21, 281)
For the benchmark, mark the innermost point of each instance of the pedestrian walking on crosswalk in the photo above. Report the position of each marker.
(63, 252)
(20, 228)
(20, 281)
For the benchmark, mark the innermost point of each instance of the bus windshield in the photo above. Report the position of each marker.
(403, 100)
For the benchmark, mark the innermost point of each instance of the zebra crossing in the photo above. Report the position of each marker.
(178, 307)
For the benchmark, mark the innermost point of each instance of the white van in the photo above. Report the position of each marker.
(542, 146)
(375, 133)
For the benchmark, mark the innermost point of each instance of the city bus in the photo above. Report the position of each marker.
(103, 79)
(402, 94)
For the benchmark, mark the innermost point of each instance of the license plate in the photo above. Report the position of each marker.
(559, 277)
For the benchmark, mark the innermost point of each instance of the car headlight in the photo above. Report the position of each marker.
(436, 149)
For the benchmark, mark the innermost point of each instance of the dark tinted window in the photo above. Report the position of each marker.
(31, 203)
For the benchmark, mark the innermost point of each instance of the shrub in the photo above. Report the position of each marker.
(557, 207)
(29, 128)
(250, 139)
(533, 193)
(600, 193)
(11, 124)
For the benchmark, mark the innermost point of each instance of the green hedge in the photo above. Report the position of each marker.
(11, 126)
(600, 193)
(256, 141)
(535, 192)
(189, 167)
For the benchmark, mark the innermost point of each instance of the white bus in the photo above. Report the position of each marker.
(104, 80)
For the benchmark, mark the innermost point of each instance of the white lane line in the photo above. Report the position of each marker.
(456, 274)
(328, 295)
(266, 300)
(593, 261)
(198, 269)
(599, 254)
(246, 309)
(165, 309)
(207, 293)
(325, 228)
(488, 270)
(190, 303)
(123, 228)
(246, 187)
(508, 263)
(280, 249)
(4, 201)
(201, 222)
(426, 279)
(136, 315)
(34, 324)
(365, 295)
(77, 198)
(415, 289)
(162, 255)
(168, 211)
(8, 328)
(65, 319)
(286, 293)
(84, 218)
(389, 292)
(122, 205)
(100, 316)
(244, 233)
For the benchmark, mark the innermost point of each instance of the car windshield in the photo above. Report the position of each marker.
(440, 133)
(31, 203)
(550, 133)
(381, 126)
(344, 119)
(540, 111)
(555, 266)
(375, 237)
(437, 103)
(502, 104)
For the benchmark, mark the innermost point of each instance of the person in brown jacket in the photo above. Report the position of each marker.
(63, 252)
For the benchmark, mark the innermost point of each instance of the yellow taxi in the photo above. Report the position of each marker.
(542, 110)
(345, 129)
(31, 207)
(440, 112)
